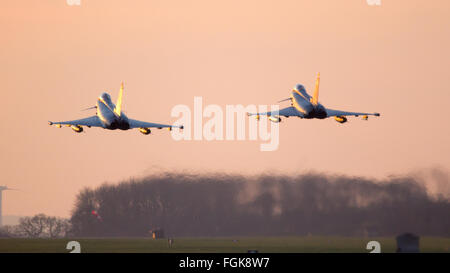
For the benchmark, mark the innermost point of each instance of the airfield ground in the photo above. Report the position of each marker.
(311, 244)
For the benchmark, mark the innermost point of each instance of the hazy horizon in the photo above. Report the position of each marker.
(57, 59)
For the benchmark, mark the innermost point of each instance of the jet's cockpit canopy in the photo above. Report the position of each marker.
(299, 87)
(106, 97)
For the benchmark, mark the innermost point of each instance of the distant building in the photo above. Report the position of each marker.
(408, 243)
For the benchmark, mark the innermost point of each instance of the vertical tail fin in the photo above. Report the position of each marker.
(315, 98)
(118, 109)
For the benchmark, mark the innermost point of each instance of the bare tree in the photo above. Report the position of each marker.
(57, 227)
(32, 227)
(42, 226)
(8, 231)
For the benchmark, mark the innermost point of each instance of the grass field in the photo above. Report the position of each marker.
(225, 245)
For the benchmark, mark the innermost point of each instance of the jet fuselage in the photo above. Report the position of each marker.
(301, 100)
(110, 119)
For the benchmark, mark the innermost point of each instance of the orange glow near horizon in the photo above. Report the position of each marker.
(56, 59)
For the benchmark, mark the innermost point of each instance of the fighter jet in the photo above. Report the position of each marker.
(305, 106)
(111, 117)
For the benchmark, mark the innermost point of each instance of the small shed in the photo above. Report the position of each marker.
(408, 243)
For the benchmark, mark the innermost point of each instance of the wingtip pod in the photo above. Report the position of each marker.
(257, 117)
(57, 125)
(181, 127)
(173, 126)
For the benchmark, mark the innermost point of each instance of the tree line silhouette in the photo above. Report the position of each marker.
(38, 226)
(235, 205)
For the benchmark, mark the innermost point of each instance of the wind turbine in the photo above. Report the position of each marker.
(3, 188)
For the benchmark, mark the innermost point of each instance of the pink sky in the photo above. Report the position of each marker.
(56, 59)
